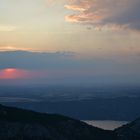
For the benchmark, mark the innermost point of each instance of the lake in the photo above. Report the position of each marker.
(106, 124)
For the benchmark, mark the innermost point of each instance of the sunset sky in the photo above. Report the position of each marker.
(88, 38)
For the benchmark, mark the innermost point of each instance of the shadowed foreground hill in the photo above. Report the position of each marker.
(19, 124)
(130, 131)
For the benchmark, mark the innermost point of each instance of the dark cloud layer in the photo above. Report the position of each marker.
(34, 60)
(61, 68)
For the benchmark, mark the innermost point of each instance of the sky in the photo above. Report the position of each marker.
(70, 41)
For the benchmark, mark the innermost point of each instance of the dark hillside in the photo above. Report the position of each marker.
(16, 124)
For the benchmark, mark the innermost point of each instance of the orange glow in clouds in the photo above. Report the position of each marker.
(13, 73)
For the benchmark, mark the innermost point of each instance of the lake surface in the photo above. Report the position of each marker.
(107, 124)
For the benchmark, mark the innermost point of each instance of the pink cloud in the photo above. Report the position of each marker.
(111, 14)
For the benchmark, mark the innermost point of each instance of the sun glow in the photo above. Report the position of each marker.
(13, 73)
(10, 70)
(14, 48)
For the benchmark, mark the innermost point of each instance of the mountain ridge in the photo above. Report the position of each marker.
(20, 124)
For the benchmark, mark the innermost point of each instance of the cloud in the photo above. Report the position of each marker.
(62, 68)
(114, 14)
(35, 60)
(14, 48)
(78, 7)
